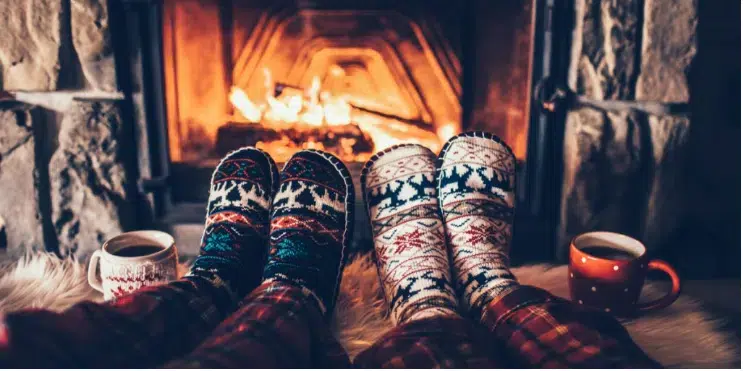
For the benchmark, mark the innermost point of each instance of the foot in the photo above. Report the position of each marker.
(235, 236)
(311, 225)
(400, 194)
(476, 180)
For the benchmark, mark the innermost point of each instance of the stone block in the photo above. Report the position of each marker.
(92, 41)
(19, 195)
(30, 43)
(90, 200)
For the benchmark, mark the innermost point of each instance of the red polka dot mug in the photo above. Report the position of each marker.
(607, 271)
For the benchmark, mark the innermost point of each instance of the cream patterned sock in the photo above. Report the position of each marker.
(412, 260)
(476, 178)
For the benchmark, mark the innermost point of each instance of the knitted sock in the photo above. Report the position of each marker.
(413, 264)
(236, 233)
(476, 179)
(311, 225)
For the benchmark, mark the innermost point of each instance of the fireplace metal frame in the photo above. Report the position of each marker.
(137, 34)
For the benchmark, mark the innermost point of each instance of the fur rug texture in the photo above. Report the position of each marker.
(682, 335)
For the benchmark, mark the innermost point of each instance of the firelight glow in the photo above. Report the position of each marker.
(243, 104)
(315, 109)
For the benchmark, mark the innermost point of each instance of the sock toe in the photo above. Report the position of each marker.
(476, 165)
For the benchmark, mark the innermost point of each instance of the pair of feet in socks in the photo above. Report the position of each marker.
(295, 226)
(435, 218)
(264, 226)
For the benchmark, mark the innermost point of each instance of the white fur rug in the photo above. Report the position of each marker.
(682, 335)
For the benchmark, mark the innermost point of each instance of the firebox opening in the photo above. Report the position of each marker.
(285, 77)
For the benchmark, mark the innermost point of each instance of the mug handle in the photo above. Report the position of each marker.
(675, 287)
(94, 279)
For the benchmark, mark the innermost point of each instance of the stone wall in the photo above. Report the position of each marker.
(642, 174)
(612, 176)
(49, 45)
(66, 184)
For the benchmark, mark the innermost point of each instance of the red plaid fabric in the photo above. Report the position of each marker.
(143, 329)
(541, 330)
(279, 326)
(443, 342)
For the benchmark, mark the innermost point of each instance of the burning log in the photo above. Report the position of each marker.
(292, 119)
(426, 126)
(348, 140)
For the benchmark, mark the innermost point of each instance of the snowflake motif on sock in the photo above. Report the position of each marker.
(407, 241)
(488, 233)
(219, 241)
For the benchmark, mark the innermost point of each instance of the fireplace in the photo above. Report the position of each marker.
(285, 76)
(114, 112)
(348, 77)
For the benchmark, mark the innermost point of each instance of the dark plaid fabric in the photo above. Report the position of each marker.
(142, 329)
(540, 330)
(279, 326)
(437, 342)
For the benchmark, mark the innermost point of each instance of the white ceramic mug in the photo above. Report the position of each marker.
(125, 268)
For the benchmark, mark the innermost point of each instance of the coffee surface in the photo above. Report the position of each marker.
(137, 250)
(606, 252)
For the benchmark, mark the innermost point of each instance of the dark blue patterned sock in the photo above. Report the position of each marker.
(235, 239)
(311, 225)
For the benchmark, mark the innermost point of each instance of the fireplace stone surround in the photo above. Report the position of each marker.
(78, 162)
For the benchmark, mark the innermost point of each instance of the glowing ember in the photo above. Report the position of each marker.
(447, 131)
(326, 122)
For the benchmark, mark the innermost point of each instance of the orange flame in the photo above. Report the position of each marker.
(243, 104)
(314, 108)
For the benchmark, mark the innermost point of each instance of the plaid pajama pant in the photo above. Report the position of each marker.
(181, 325)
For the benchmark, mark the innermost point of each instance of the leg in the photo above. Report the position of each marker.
(413, 265)
(280, 325)
(152, 325)
(546, 331)
(476, 182)
(142, 329)
(434, 342)
(284, 322)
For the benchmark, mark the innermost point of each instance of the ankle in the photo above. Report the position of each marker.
(439, 302)
(477, 306)
(431, 313)
(272, 284)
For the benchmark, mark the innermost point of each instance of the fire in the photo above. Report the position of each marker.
(327, 122)
(446, 131)
(314, 108)
(243, 104)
